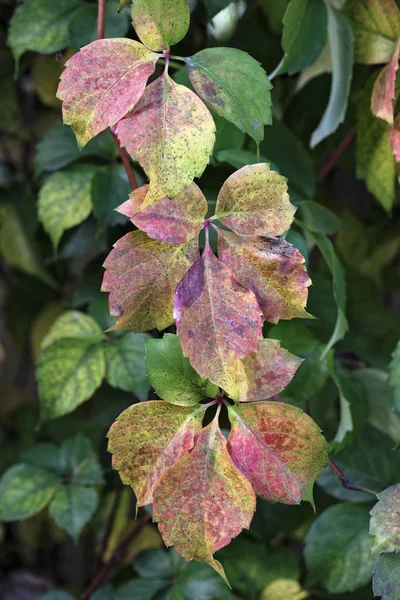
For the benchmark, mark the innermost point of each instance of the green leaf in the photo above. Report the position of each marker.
(235, 86)
(68, 372)
(24, 491)
(126, 368)
(337, 549)
(394, 376)
(56, 595)
(316, 216)
(374, 157)
(139, 589)
(65, 200)
(384, 528)
(83, 26)
(171, 374)
(304, 35)
(110, 188)
(122, 4)
(78, 461)
(340, 39)
(72, 507)
(42, 26)
(215, 6)
(157, 563)
(45, 456)
(199, 582)
(160, 24)
(386, 580)
(73, 324)
(240, 158)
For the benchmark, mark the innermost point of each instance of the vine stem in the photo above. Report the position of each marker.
(333, 159)
(116, 558)
(101, 23)
(346, 483)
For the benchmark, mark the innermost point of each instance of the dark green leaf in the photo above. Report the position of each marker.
(386, 580)
(83, 25)
(110, 188)
(78, 461)
(394, 376)
(72, 507)
(126, 368)
(139, 589)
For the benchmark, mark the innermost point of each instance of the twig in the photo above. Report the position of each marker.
(101, 18)
(333, 159)
(346, 483)
(116, 558)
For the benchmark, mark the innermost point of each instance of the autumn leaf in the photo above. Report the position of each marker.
(141, 276)
(262, 374)
(384, 524)
(272, 268)
(254, 201)
(217, 320)
(278, 448)
(170, 220)
(383, 92)
(171, 133)
(203, 501)
(102, 83)
(149, 438)
(160, 24)
(394, 135)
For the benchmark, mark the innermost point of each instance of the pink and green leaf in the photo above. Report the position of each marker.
(262, 374)
(102, 83)
(171, 133)
(203, 501)
(394, 135)
(383, 92)
(272, 268)
(141, 276)
(278, 448)
(160, 24)
(385, 521)
(254, 201)
(217, 320)
(147, 439)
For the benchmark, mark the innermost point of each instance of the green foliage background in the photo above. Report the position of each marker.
(63, 508)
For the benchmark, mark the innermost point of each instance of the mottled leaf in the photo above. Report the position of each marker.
(218, 321)
(25, 490)
(235, 86)
(376, 27)
(170, 220)
(340, 39)
(125, 364)
(386, 580)
(65, 200)
(149, 438)
(203, 501)
(171, 133)
(160, 24)
(102, 83)
(141, 277)
(254, 201)
(384, 525)
(68, 372)
(384, 88)
(338, 547)
(171, 374)
(394, 136)
(72, 507)
(73, 324)
(41, 26)
(272, 268)
(278, 448)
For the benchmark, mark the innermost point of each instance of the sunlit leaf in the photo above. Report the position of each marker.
(160, 24)
(171, 374)
(384, 526)
(141, 277)
(254, 201)
(203, 501)
(272, 268)
(278, 448)
(386, 580)
(235, 86)
(284, 589)
(383, 92)
(102, 83)
(171, 133)
(149, 438)
(73, 324)
(72, 507)
(218, 321)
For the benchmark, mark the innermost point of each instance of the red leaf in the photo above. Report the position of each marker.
(147, 439)
(203, 501)
(278, 448)
(272, 268)
(102, 83)
(217, 320)
(141, 277)
(384, 88)
(394, 134)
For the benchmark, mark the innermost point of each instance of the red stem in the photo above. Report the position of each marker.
(333, 159)
(101, 18)
(346, 483)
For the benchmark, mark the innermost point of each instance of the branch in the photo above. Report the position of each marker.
(346, 483)
(101, 18)
(333, 159)
(116, 558)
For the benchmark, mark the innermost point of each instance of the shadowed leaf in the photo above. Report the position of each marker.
(384, 88)
(384, 524)
(102, 83)
(160, 23)
(386, 580)
(149, 438)
(394, 135)
(72, 507)
(203, 501)
(171, 133)
(125, 364)
(141, 277)
(278, 448)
